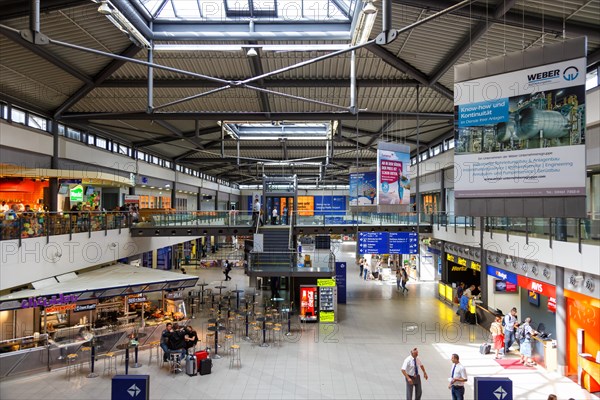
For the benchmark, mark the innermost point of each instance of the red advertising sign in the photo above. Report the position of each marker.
(552, 304)
(307, 301)
(545, 289)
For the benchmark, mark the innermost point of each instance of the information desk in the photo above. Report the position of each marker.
(544, 353)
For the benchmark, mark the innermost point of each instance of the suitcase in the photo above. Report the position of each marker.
(190, 365)
(485, 348)
(205, 366)
(200, 355)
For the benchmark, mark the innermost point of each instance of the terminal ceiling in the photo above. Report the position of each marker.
(109, 97)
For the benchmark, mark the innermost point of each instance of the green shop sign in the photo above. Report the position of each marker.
(76, 193)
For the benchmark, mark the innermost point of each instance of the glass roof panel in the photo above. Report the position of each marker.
(234, 10)
(279, 130)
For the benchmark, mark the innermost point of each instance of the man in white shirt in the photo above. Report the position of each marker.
(469, 291)
(457, 379)
(256, 212)
(410, 370)
(274, 216)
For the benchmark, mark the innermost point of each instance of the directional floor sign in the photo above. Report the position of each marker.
(487, 388)
(131, 387)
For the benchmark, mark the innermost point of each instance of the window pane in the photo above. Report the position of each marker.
(100, 142)
(91, 140)
(451, 144)
(73, 134)
(18, 116)
(140, 155)
(37, 122)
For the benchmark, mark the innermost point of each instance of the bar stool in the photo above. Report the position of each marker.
(85, 350)
(231, 324)
(110, 363)
(154, 352)
(235, 358)
(210, 338)
(228, 341)
(175, 363)
(256, 334)
(72, 365)
(276, 335)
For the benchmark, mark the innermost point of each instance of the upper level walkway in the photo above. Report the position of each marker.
(200, 223)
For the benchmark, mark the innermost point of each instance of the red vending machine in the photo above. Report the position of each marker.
(308, 303)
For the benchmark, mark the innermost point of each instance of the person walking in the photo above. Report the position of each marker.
(457, 380)
(361, 265)
(404, 279)
(410, 370)
(274, 216)
(525, 346)
(227, 270)
(509, 329)
(398, 279)
(284, 216)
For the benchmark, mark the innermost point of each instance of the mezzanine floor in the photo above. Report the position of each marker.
(359, 359)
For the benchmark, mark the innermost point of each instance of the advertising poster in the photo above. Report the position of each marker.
(363, 188)
(308, 296)
(393, 161)
(522, 133)
(306, 206)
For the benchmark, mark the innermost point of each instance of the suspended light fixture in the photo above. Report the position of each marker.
(370, 8)
(252, 52)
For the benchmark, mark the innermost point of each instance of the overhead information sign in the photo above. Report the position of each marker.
(373, 242)
(403, 243)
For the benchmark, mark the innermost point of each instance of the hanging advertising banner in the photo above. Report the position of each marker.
(393, 183)
(363, 187)
(76, 193)
(521, 133)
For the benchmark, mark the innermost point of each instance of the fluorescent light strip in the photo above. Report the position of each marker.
(283, 137)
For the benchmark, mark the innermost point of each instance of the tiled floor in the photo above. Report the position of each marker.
(359, 358)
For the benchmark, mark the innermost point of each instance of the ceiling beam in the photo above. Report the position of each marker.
(468, 40)
(267, 83)
(170, 138)
(42, 52)
(112, 66)
(593, 58)
(253, 116)
(257, 70)
(516, 18)
(170, 128)
(408, 69)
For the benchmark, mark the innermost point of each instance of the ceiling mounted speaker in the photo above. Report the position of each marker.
(104, 8)
(590, 285)
(370, 8)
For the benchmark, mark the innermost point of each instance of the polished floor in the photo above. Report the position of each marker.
(359, 358)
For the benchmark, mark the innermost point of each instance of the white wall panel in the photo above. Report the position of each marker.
(19, 137)
(36, 259)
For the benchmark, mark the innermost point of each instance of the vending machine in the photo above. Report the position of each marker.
(327, 300)
(308, 303)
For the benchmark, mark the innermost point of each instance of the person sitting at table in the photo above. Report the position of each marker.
(177, 341)
(191, 337)
(164, 340)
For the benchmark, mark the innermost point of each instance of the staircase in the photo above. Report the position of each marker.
(276, 252)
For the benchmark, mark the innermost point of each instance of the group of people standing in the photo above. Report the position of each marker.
(257, 215)
(507, 330)
(413, 369)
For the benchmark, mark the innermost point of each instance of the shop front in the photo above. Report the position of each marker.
(103, 308)
(583, 329)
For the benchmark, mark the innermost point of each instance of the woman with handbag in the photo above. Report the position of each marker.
(497, 335)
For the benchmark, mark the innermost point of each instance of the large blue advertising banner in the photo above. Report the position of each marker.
(330, 205)
(340, 281)
(502, 274)
(363, 188)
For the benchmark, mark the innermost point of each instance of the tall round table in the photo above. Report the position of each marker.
(237, 297)
(216, 329)
(264, 329)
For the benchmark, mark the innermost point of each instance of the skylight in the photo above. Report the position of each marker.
(236, 10)
(279, 131)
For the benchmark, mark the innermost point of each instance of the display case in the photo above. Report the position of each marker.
(327, 300)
